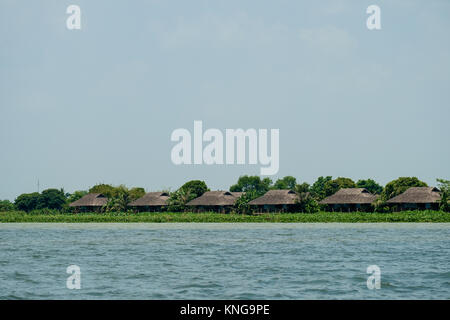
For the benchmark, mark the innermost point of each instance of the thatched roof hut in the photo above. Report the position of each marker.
(276, 197)
(91, 200)
(151, 199)
(417, 195)
(350, 196)
(215, 199)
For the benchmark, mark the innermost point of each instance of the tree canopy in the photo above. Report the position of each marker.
(332, 186)
(76, 195)
(252, 183)
(106, 189)
(302, 188)
(370, 185)
(195, 187)
(400, 185)
(288, 182)
(318, 188)
(51, 199)
(27, 201)
(188, 191)
(136, 193)
(444, 186)
(6, 205)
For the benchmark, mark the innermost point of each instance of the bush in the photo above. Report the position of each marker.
(27, 201)
(306, 203)
(44, 211)
(242, 206)
(444, 205)
(6, 205)
(51, 199)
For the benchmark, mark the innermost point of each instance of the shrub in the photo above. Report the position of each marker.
(306, 203)
(6, 205)
(44, 211)
(52, 199)
(27, 201)
(242, 206)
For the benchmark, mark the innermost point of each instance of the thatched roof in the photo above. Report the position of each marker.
(216, 198)
(276, 197)
(350, 196)
(418, 195)
(151, 199)
(90, 200)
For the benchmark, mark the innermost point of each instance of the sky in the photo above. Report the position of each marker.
(99, 104)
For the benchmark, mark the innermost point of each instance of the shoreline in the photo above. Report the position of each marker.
(209, 217)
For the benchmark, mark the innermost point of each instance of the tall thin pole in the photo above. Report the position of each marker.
(38, 185)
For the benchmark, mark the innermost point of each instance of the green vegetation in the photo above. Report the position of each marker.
(242, 206)
(76, 196)
(287, 182)
(318, 188)
(370, 185)
(394, 188)
(52, 216)
(187, 192)
(332, 186)
(400, 185)
(252, 183)
(54, 203)
(444, 186)
(6, 205)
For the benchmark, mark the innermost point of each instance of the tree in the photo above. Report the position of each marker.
(27, 201)
(332, 186)
(302, 188)
(76, 195)
(188, 191)
(318, 188)
(106, 189)
(242, 205)
(252, 183)
(370, 185)
(6, 205)
(444, 186)
(136, 193)
(119, 200)
(195, 187)
(178, 199)
(305, 202)
(287, 182)
(400, 185)
(51, 199)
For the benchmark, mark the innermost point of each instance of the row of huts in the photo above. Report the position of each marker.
(350, 199)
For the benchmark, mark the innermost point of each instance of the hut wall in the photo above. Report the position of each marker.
(350, 207)
(218, 209)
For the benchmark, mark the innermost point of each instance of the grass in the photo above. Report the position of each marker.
(405, 216)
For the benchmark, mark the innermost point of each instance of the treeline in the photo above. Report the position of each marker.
(119, 197)
(309, 196)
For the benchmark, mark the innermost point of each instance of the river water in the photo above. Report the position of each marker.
(224, 261)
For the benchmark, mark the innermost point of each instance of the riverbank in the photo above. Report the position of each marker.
(155, 217)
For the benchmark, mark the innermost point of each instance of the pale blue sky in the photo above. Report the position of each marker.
(99, 104)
